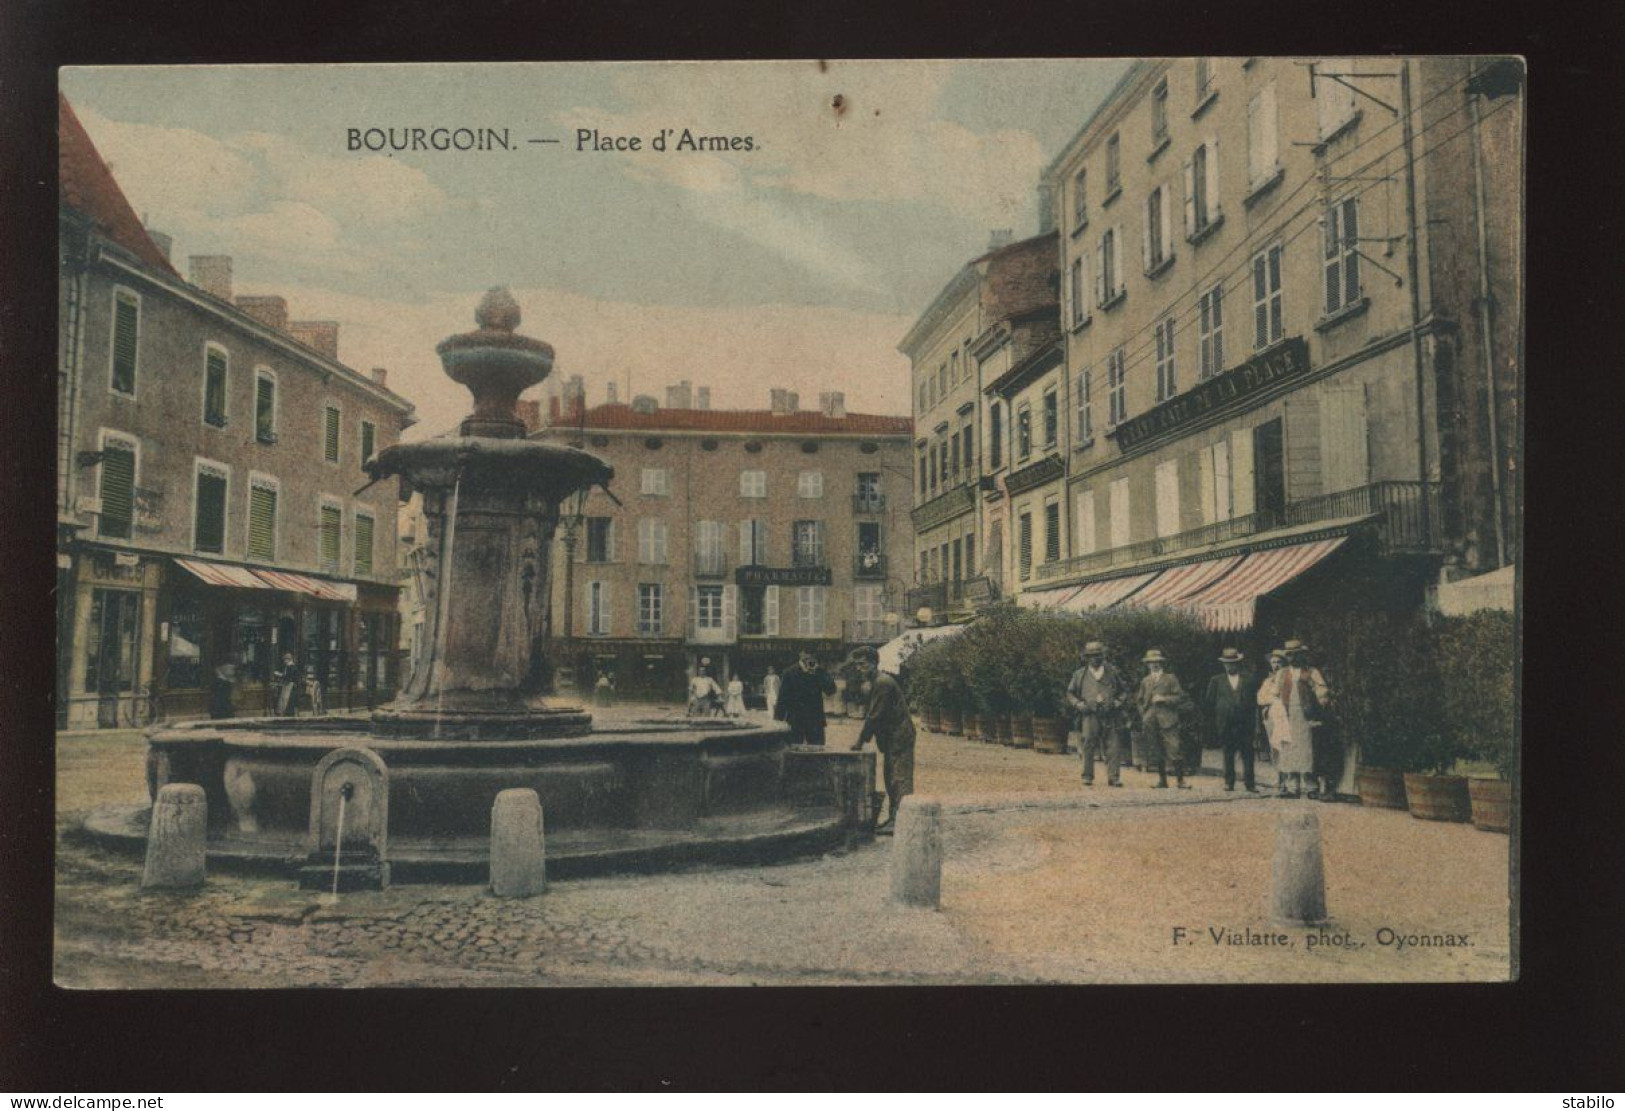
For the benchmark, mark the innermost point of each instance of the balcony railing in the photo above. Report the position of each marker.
(1396, 505)
(696, 633)
(869, 565)
(868, 503)
(874, 631)
(808, 559)
(711, 565)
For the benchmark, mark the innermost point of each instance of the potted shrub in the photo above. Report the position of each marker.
(1478, 687)
(985, 655)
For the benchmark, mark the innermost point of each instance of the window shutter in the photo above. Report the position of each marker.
(604, 615)
(730, 611)
(1345, 460)
(369, 439)
(1167, 229)
(1190, 199)
(1052, 532)
(1119, 511)
(126, 329)
(262, 523)
(332, 518)
(694, 608)
(1241, 472)
(265, 408)
(1208, 481)
(746, 550)
(1117, 259)
(117, 492)
(1303, 461)
(1100, 272)
(1167, 497)
(1213, 210)
(770, 610)
(1086, 521)
(363, 545)
(1145, 240)
(1256, 166)
(214, 387)
(210, 523)
(330, 444)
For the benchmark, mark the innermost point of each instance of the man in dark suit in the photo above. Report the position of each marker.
(801, 700)
(1231, 702)
(1098, 694)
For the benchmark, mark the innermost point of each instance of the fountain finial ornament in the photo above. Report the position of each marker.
(497, 364)
(497, 311)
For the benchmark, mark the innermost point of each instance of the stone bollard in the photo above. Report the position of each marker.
(1298, 873)
(916, 860)
(518, 858)
(177, 837)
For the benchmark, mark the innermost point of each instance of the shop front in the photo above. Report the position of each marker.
(109, 654)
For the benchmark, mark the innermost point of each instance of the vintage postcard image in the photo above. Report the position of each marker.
(785, 523)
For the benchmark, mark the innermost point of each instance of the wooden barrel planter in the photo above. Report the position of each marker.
(1381, 787)
(1004, 730)
(1491, 804)
(1438, 798)
(933, 720)
(1021, 730)
(973, 727)
(954, 723)
(1049, 734)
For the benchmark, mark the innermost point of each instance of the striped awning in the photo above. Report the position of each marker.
(1230, 603)
(224, 574)
(1182, 582)
(1107, 592)
(304, 584)
(1047, 599)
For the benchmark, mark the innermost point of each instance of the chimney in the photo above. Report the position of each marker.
(269, 311)
(832, 403)
(161, 241)
(212, 274)
(792, 402)
(553, 410)
(703, 401)
(611, 395)
(321, 336)
(643, 403)
(531, 413)
(380, 375)
(1001, 237)
(779, 400)
(680, 396)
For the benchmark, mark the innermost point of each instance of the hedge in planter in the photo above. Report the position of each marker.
(1479, 684)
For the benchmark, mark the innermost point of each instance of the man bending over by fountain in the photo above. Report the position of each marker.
(887, 720)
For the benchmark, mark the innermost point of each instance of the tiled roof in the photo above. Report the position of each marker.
(620, 416)
(89, 187)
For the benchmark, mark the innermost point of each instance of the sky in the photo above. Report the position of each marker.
(800, 262)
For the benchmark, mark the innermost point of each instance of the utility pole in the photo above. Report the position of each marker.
(1408, 132)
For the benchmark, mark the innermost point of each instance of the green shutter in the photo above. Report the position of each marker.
(332, 521)
(214, 388)
(262, 524)
(330, 447)
(369, 436)
(265, 409)
(118, 491)
(210, 533)
(363, 545)
(126, 327)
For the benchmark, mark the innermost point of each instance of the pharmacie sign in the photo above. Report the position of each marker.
(784, 576)
(1287, 360)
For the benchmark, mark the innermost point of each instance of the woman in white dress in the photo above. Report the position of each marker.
(1296, 694)
(736, 697)
(1267, 691)
(770, 689)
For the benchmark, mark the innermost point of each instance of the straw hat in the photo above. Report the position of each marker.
(1277, 654)
(1094, 648)
(1231, 656)
(1296, 646)
(1154, 656)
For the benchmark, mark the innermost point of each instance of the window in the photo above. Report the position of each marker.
(1204, 79)
(995, 436)
(1218, 504)
(708, 607)
(331, 530)
(1202, 189)
(958, 564)
(598, 539)
(953, 454)
(126, 341)
(1085, 510)
(1116, 388)
(869, 483)
(1025, 556)
(708, 547)
(942, 461)
(651, 541)
(1159, 112)
(1210, 331)
(1267, 324)
(363, 543)
(369, 440)
(1117, 507)
(330, 433)
(970, 554)
(1086, 417)
(262, 499)
(1052, 531)
(654, 482)
(1168, 497)
(942, 380)
(810, 484)
(1052, 417)
(869, 604)
(752, 543)
(117, 493)
(598, 609)
(1109, 266)
(1159, 238)
(810, 606)
(1114, 167)
(214, 386)
(753, 484)
(1024, 432)
(1263, 137)
(1079, 300)
(209, 507)
(924, 467)
(966, 438)
(1334, 101)
(932, 467)
(1080, 202)
(1164, 332)
(1342, 255)
(953, 368)
(807, 544)
(265, 407)
(925, 397)
(651, 609)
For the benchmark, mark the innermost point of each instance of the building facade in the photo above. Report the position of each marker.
(734, 540)
(1253, 377)
(212, 507)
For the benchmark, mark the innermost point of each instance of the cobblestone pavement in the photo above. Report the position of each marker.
(1043, 881)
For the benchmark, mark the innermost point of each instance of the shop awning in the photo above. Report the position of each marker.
(899, 648)
(1047, 599)
(1230, 603)
(1107, 592)
(1181, 582)
(224, 574)
(304, 584)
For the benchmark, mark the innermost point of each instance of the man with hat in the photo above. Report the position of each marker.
(1161, 701)
(886, 719)
(1098, 694)
(801, 700)
(1232, 709)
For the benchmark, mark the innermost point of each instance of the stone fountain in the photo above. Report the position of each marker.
(626, 792)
